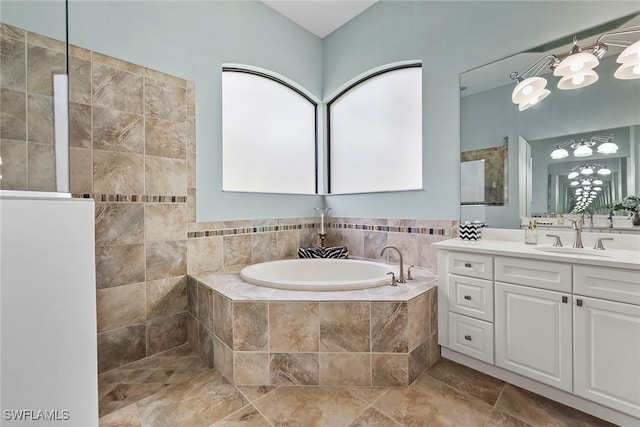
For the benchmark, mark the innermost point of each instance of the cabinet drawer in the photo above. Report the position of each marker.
(471, 337)
(540, 274)
(611, 284)
(471, 297)
(472, 265)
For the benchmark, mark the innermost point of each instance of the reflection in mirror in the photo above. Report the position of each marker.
(268, 134)
(537, 183)
(483, 176)
(375, 132)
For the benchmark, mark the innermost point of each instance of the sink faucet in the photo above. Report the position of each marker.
(577, 225)
(401, 279)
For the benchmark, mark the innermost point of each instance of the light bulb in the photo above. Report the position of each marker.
(527, 90)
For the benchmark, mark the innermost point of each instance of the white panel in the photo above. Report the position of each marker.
(607, 354)
(612, 284)
(471, 297)
(471, 337)
(268, 136)
(48, 310)
(473, 265)
(472, 181)
(376, 134)
(541, 274)
(533, 334)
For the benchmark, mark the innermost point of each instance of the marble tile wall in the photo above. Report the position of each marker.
(27, 63)
(339, 343)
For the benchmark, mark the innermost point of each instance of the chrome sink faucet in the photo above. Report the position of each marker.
(401, 278)
(577, 226)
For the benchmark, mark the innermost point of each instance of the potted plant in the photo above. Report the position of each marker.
(631, 204)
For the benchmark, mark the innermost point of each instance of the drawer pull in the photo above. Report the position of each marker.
(579, 303)
(565, 299)
(467, 264)
(467, 337)
(467, 297)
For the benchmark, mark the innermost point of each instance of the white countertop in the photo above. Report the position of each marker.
(623, 253)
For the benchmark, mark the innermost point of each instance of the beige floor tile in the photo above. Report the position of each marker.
(500, 419)
(125, 417)
(201, 401)
(373, 418)
(256, 392)
(539, 411)
(318, 406)
(429, 402)
(468, 380)
(247, 416)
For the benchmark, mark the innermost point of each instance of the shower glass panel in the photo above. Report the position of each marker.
(34, 125)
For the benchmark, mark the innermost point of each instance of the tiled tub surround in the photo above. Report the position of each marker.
(383, 336)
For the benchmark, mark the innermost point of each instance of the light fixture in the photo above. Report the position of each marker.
(585, 182)
(574, 183)
(586, 170)
(579, 191)
(597, 182)
(576, 68)
(604, 171)
(607, 146)
(584, 147)
(630, 60)
(573, 174)
(597, 188)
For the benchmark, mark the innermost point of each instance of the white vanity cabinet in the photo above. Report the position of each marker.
(606, 337)
(564, 327)
(533, 334)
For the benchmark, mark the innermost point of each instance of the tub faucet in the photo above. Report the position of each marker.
(577, 226)
(401, 278)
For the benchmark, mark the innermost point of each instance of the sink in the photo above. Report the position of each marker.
(571, 251)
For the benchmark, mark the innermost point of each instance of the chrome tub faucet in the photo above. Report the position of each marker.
(401, 279)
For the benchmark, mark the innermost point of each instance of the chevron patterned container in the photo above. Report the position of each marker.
(471, 231)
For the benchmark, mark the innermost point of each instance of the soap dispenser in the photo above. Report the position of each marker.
(531, 233)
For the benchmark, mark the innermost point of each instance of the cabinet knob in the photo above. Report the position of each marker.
(579, 302)
(467, 337)
(467, 264)
(467, 297)
(565, 299)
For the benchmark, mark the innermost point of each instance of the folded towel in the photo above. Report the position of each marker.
(324, 252)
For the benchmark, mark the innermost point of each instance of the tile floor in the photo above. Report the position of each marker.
(176, 389)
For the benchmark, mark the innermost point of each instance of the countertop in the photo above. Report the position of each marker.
(626, 257)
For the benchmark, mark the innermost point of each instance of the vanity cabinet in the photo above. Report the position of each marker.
(606, 337)
(569, 326)
(533, 334)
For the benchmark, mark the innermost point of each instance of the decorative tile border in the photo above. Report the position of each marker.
(131, 198)
(248, 230)
(392, 229)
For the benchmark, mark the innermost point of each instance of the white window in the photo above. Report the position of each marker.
(268, 134)
(375, 132)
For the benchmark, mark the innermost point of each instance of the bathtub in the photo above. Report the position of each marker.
(319, 274)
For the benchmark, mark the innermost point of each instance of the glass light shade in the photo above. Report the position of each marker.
(597, 182)
(630, 54)
(528, 89)
(579, 191)
(576, 63)
(574, 183)
(534, 100)
(628, 71)
(559, 153)
(572, 175)
(604, 171)
(582, 151)
(585, 182)
(607, 148)
(597, 188)
(587, 170)
(586, 187)
(578, 80)
(593, 193)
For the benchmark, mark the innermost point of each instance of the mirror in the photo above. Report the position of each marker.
(538, 185)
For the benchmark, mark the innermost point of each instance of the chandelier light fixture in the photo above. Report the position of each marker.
(584, 148)
(576, 68)
(581, 174)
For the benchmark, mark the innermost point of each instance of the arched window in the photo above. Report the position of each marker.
(268, 134)
(375, 132)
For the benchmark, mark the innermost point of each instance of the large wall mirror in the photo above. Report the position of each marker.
(579, 120)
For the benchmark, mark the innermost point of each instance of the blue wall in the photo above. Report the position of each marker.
(192, 39)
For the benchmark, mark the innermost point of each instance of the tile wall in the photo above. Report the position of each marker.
(132, 136)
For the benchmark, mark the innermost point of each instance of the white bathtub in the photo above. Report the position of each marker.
(319, 274)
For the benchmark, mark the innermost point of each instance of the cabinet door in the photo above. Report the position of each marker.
(533, 334)
(607, 353)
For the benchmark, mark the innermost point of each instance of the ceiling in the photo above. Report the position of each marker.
(321, 17)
